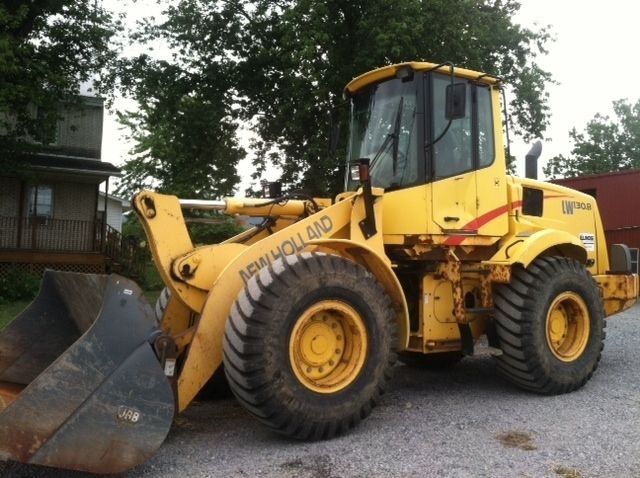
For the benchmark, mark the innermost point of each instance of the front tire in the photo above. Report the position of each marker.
(550, 324)
(310, 344)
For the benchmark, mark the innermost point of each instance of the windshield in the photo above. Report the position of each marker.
(384, 129)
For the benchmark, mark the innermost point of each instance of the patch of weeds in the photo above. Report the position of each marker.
(517, 439)
(567, 472)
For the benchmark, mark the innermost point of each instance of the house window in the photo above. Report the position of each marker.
(41, 201)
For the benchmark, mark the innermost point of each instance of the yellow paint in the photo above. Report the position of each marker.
(265, 207)
(399, 219)
(177, 317)
(390, 71)
(205, 264)
(328, 346)
(159, 214)
(525, 249)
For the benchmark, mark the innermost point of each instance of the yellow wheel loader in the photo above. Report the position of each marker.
(431, 246)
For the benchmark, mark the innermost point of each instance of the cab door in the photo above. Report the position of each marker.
(469, 190)
(453, 189)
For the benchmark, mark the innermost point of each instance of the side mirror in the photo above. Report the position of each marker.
(456, 101)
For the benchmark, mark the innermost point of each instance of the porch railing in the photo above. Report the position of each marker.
(126, 252)
(68, 235)
(46, 234)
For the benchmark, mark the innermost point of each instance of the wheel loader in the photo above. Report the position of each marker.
(431, 247)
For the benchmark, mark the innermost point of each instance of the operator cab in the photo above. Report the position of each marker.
(422, 124)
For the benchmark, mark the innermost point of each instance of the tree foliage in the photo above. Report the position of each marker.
(48, 49)
(185, 138)
(184, 131)
(298, 56)
(285, 63)
(605, 144)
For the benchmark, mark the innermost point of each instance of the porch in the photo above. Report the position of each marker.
(36, 243)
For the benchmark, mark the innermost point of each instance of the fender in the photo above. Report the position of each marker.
(379, 267)
(525, 249)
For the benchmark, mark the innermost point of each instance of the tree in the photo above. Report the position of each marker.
(286, 63)
(299, 54)
(604, 145)
(184, 131)
(48, 48)
(184, 136)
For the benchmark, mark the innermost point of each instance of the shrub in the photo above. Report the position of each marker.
(18, 284)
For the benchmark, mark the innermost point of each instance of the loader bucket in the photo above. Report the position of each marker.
(80, 384)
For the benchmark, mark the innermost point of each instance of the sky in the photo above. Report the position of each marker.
(593, 60)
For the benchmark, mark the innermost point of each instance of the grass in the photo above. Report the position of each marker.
(9, 310)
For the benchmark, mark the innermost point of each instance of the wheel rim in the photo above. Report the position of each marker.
(328, 346)
(567, 326)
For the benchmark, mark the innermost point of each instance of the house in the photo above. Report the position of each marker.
(617, 194)
(50, 213)
(115, 206)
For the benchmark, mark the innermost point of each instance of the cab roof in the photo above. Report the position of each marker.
(390, 71)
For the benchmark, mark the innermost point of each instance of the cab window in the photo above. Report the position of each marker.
(468, 142)
(453, 153)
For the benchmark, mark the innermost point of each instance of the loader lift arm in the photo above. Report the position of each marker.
(207, 280)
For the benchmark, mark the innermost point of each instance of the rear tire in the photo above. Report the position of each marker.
(550, 324)
(310, 345)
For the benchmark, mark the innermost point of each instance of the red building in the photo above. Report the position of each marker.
(618, 197)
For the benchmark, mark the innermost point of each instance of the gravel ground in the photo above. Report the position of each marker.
(467, 422)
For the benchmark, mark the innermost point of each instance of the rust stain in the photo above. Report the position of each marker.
(8, 393)
(450, 271)
(500, 274)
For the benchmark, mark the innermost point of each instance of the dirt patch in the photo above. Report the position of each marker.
(517, 439)
(567, 472)
(308, 467)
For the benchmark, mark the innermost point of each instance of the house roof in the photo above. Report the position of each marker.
(126, 204)
(71, 164)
